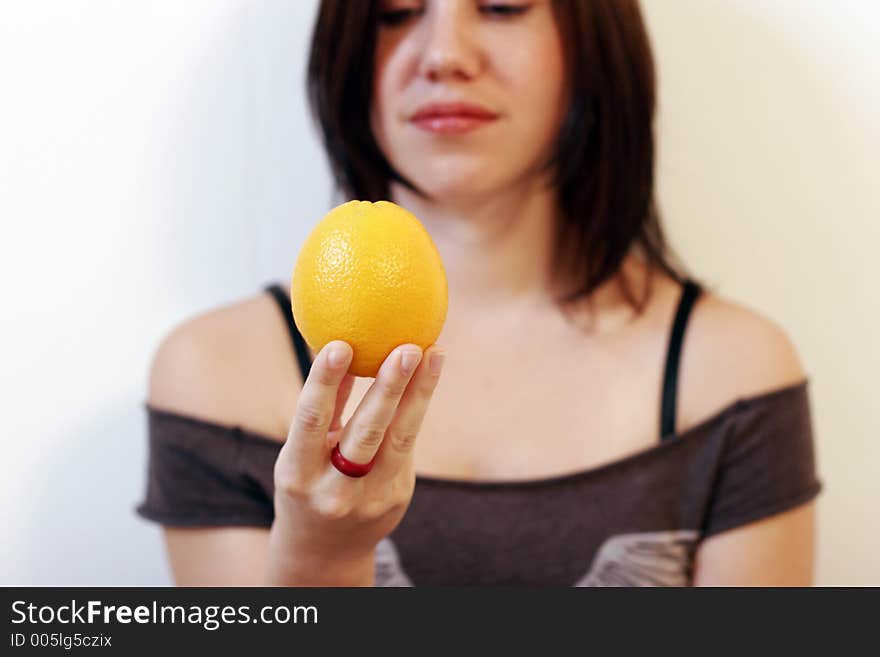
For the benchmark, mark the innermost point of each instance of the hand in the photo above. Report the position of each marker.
(325, 519)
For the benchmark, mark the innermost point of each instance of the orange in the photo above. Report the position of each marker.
(369, 274)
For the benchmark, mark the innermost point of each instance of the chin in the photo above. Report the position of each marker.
(463, 179)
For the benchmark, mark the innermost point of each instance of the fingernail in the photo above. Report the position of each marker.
(409, 360)
(436, 364)
(337, 356)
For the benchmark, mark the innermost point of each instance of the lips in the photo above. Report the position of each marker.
(452, 118)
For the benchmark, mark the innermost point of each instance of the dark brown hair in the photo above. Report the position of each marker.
(604, 156)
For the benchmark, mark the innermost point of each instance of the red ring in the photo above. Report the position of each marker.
(349, 468)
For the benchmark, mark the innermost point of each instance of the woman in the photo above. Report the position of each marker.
(521, 136)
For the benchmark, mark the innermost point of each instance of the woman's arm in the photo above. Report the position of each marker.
(217, 556)
(734, 353)
(208, 367)
(775, 551)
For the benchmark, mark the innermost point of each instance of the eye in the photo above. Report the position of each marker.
(503, 11)
(394, 17)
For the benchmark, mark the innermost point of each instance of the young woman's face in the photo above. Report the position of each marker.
(469, 94)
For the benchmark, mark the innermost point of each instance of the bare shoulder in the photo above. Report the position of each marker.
(232, 365)
(732, 352)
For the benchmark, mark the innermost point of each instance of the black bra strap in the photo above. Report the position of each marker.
(689, 295)
(299, 343)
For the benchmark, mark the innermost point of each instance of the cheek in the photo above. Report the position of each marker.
(383, 94)
(381, 116)
(377, 111)
(537, 80)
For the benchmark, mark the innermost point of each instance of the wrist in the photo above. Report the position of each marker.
(298, 571)
(289, 564)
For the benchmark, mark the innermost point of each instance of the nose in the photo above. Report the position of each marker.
(450, 51)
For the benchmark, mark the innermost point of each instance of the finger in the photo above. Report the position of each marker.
(315, 409)
(365, 429)
(342, 396)
(400, 437)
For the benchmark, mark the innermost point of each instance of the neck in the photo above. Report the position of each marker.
(496, 249)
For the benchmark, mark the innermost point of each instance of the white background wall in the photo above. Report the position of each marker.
(156, 159)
